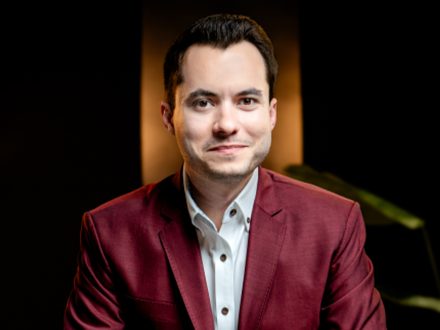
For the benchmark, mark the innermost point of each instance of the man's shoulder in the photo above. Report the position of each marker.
(133, 202)
(288, 189)
(306, 207)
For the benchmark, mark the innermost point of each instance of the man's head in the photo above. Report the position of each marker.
(221, 110)
(219, 31)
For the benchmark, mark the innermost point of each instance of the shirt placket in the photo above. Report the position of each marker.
(224, 285)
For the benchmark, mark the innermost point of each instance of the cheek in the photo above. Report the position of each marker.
(191, 130)
(258, 126)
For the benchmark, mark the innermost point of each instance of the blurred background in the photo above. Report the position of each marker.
(79, 124)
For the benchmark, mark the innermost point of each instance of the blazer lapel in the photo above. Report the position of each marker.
(181, 246)
(265, 241)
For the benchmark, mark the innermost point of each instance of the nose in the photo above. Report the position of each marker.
(225, 122)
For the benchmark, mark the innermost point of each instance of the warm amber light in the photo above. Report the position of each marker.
(160, 156)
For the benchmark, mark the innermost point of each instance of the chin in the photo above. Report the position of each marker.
(230, 172)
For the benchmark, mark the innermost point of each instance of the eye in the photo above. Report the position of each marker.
(247, 103)
(201, 104)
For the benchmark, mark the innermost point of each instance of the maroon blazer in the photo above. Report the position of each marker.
(140, 265)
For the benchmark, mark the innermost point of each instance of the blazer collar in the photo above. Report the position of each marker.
(179, 240)
(265, 241)
(172, 204)
(181, 246)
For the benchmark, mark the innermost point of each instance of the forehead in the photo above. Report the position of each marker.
(238, 66)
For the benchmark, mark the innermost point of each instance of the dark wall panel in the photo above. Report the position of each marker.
(69, 141)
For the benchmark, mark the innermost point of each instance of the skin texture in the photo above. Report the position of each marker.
(223, 120)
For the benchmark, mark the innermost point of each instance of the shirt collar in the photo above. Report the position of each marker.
(244, 202)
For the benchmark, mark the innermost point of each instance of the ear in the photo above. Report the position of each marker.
(167, 117)
(273, 112)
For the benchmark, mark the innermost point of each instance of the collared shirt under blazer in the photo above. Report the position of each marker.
(140, 265)
(224, 251)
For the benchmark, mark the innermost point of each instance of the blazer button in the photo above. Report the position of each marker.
(225, 311)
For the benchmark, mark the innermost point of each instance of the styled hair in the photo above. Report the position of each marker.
(220, 31)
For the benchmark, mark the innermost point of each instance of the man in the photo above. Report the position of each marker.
(224, 243)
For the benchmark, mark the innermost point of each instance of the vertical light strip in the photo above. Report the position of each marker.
(287, 143)
(159, 153)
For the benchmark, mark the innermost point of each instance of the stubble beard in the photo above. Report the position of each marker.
(224, 174)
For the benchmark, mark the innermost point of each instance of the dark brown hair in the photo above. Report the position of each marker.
(220, 31)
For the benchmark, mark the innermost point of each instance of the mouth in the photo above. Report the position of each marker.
(227, 148)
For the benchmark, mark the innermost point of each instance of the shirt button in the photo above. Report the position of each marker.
(232, 212)
(223, 257)
(248, 220)
(225, 311)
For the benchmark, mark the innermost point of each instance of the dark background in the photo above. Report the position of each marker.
(69, 125)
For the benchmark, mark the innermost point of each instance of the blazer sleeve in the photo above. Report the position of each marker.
(93, 303)
(351, 301)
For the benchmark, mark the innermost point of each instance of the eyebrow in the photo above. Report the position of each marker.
(200, 92)
(206, 93)
(251, 91)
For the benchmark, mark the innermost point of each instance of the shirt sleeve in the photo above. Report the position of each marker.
(93, 303)
(351, 301)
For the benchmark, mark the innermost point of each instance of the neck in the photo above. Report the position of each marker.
(213, 196)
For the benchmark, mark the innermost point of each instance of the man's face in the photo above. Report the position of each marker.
(223, 118)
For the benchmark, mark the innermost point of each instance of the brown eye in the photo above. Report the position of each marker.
(247, 101)
(202, 104)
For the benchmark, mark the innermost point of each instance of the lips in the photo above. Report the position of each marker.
(227, 148)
